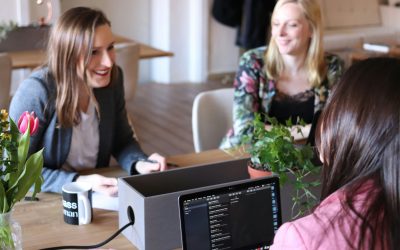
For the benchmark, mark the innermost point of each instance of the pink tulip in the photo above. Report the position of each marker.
(26, 119)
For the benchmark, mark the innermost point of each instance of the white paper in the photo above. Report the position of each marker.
(376, 47)
(103, 201)
(305, 132)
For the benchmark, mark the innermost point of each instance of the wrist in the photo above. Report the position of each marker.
(133, 168)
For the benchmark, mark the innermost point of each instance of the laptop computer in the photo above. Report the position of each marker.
(240, 215)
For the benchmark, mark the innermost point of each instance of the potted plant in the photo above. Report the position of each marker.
(18, 172)
(275, 151)
(5, 28)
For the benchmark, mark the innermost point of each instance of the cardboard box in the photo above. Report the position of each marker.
(154, 200)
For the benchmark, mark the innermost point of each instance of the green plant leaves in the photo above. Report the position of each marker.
(3, 199)
(14, 152)
(275, 150)
(6, 236)
(23, 149)
(31, 171)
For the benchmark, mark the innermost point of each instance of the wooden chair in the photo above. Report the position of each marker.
(5, 80)
(127, 57)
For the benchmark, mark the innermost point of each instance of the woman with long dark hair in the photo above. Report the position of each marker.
(359, 142)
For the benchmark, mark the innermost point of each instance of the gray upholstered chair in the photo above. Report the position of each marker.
(211, 118)
(127, 57)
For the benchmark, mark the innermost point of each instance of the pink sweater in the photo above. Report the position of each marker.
(316, 232)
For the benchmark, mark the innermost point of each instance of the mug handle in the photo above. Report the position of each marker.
(87, 209)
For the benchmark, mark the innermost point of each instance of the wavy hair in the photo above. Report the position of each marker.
(71, 39)
(358, 138)
(314, 61)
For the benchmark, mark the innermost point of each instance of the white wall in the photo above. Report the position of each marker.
(8, 10)
(129, 18)
(180, 26)
(223, 53)
(200, 44)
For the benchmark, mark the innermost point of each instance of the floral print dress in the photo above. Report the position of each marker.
(254, 92)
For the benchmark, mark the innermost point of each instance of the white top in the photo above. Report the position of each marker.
(85, 141)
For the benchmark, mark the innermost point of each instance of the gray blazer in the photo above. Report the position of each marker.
(38, 93)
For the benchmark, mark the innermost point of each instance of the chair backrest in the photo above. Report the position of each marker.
(5, 80)
(211, 118)
(127, 57)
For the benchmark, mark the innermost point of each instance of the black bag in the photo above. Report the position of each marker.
(254, 29)
(228, 12)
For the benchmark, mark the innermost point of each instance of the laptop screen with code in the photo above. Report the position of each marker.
(237, 216)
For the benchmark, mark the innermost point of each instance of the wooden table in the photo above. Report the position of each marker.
(360, 54)
(34, 58)
(43, 225)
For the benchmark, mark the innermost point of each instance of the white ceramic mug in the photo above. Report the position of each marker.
(77, 203)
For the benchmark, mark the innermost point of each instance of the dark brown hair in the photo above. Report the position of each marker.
(71, 38)
(358, 137)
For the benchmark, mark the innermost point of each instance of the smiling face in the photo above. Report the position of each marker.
(98, 71)
(291, 30)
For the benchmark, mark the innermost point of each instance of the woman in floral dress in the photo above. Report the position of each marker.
(289, 79)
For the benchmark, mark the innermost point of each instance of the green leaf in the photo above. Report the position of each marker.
(315, 183)
(23, 148)
(283, 178)
(30, 174)
(14, 138)
(6, 236)
(3, 199)
(38, 186)
(19, 156)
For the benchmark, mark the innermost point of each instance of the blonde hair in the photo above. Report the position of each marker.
(71, 39)
(314, 61)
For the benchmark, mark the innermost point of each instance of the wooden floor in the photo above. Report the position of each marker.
(162, 113)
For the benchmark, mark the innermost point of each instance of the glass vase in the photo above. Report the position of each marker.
(10, 233)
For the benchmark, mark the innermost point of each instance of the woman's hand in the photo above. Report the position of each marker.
(156, 163)
(305, 131)
(101, 184)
